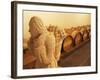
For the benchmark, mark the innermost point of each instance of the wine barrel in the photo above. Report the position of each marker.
(84, 33)
(77, 36)
(79, 28)
(89, 31)
(68, 43)
(68, 30)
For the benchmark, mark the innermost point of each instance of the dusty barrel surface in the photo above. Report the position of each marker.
(84, 33)
(68, 43)
(69, 30)
(77, 36)
(89, 31)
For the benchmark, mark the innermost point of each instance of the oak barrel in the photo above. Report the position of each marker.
(84, 33)
(77, 36)
(68, 43)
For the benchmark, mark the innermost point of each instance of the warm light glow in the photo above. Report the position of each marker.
(59, 19)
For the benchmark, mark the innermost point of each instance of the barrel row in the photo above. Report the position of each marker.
(73, 36)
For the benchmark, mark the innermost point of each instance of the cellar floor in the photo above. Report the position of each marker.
(79, 57)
